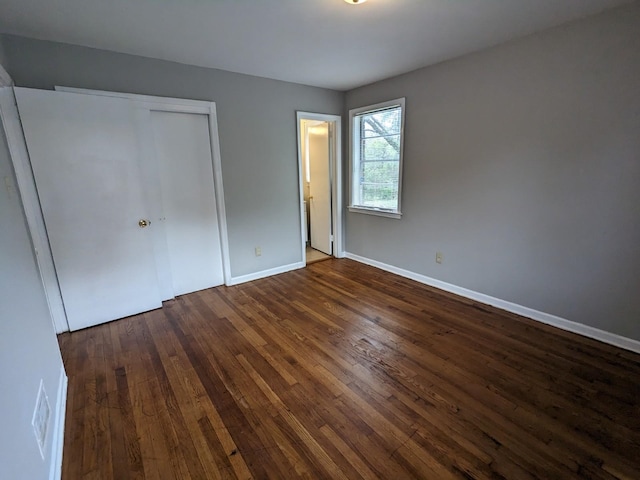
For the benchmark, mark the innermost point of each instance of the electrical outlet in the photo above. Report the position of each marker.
(40, 419)
(438, 257)
(258, 252)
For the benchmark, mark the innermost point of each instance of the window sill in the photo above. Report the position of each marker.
(375, 211)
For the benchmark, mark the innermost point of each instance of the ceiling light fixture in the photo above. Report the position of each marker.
(355, 2)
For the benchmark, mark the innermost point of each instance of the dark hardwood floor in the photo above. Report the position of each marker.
(343, 371)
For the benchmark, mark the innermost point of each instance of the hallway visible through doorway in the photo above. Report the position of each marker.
(314, 255)
(319, 176)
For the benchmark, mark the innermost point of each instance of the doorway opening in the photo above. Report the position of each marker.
(320, 169)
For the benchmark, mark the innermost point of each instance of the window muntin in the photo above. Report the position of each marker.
(376, 159)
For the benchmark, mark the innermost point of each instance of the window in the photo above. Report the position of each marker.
(376, 158)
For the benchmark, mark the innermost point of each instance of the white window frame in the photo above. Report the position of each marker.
(354, 162)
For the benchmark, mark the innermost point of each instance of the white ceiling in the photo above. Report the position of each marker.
(326, 43)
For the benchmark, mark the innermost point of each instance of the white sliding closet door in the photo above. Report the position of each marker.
(185, 169)
(84, 152)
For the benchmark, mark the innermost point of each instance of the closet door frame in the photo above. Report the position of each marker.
(26, 184)
(31, 204)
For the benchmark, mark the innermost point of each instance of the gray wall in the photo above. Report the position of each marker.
(28, 347)
(522, 165)
(257, 129)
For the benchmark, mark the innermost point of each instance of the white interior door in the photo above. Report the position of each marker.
(84, 152)
(185, 167)
(320, 187)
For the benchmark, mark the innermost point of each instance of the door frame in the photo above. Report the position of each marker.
(335, 167)
(31, 204)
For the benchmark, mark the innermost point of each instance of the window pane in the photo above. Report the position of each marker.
(384, 122)
(381, 148)
(380, 195)
(381, 172)
(379, 184)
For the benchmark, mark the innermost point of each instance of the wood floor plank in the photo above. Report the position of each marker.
(234, 398)
(341, 370)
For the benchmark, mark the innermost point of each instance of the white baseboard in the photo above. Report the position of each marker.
(562, 323)
(265, 273)
(58, 429)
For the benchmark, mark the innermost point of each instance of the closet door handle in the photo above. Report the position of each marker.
(142, 223)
